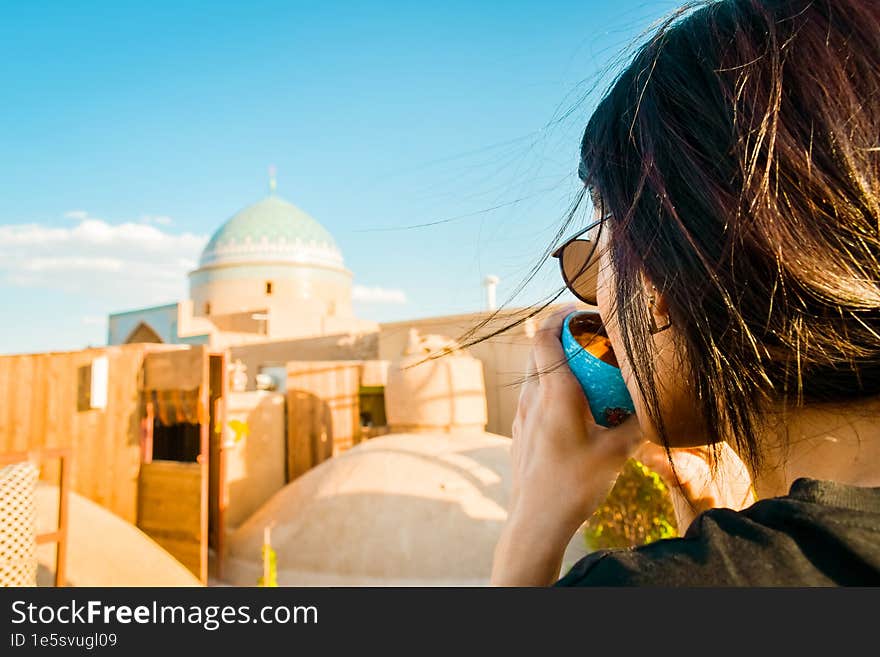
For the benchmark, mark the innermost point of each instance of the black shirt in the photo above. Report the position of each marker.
(820, 534)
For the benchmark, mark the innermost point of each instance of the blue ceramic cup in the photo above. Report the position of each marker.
(592, 362)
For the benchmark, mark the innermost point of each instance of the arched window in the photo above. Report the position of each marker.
(143, 332)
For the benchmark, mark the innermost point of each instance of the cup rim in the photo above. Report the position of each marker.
(574, 350)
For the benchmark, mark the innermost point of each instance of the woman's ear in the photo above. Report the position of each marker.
(657, 307)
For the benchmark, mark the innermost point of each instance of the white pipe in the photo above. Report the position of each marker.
(491, 283)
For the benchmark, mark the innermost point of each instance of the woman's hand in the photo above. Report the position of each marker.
(563, 465)
(695, 485)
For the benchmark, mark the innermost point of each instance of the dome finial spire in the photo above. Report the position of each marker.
(272, 182)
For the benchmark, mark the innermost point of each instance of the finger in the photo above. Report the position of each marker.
(530, 378)
(530, 364)
(623, 440)
(549, 353)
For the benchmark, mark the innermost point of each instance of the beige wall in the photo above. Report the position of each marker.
(286, 323)
(319, 294)
(255, 465)
(444, 394)
(304, 319)
(243, 322)
(338, 325)
(188, 325)
(329, 347)
(295, 318)
(504, 357)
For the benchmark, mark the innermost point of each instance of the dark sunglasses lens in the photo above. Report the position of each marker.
(580, 269)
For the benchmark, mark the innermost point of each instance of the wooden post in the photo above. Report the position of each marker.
(61, 551)
(204, 459)
(222, 491)
(223, 486)
(147, 434)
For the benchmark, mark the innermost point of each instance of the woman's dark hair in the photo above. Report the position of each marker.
(739, 157)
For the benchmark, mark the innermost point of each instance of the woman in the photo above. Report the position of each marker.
(735, 173)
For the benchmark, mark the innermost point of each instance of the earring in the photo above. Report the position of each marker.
(653, 328)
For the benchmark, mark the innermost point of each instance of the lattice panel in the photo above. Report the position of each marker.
(18, 525)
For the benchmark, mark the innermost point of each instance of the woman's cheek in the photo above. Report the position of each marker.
(678, 408)
(681, 414)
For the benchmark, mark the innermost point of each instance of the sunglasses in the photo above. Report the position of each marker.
(578, 261)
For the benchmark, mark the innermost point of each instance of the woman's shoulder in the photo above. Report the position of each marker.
(820, 534)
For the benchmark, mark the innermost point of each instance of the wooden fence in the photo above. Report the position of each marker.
(45, 403)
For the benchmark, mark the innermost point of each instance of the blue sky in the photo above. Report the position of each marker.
(130, 131)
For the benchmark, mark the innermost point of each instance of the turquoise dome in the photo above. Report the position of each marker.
(271, 230)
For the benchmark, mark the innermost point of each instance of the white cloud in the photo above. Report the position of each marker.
(149, 219)
(124, 265)
(160, 220)
(73, 263)
(378, 295)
